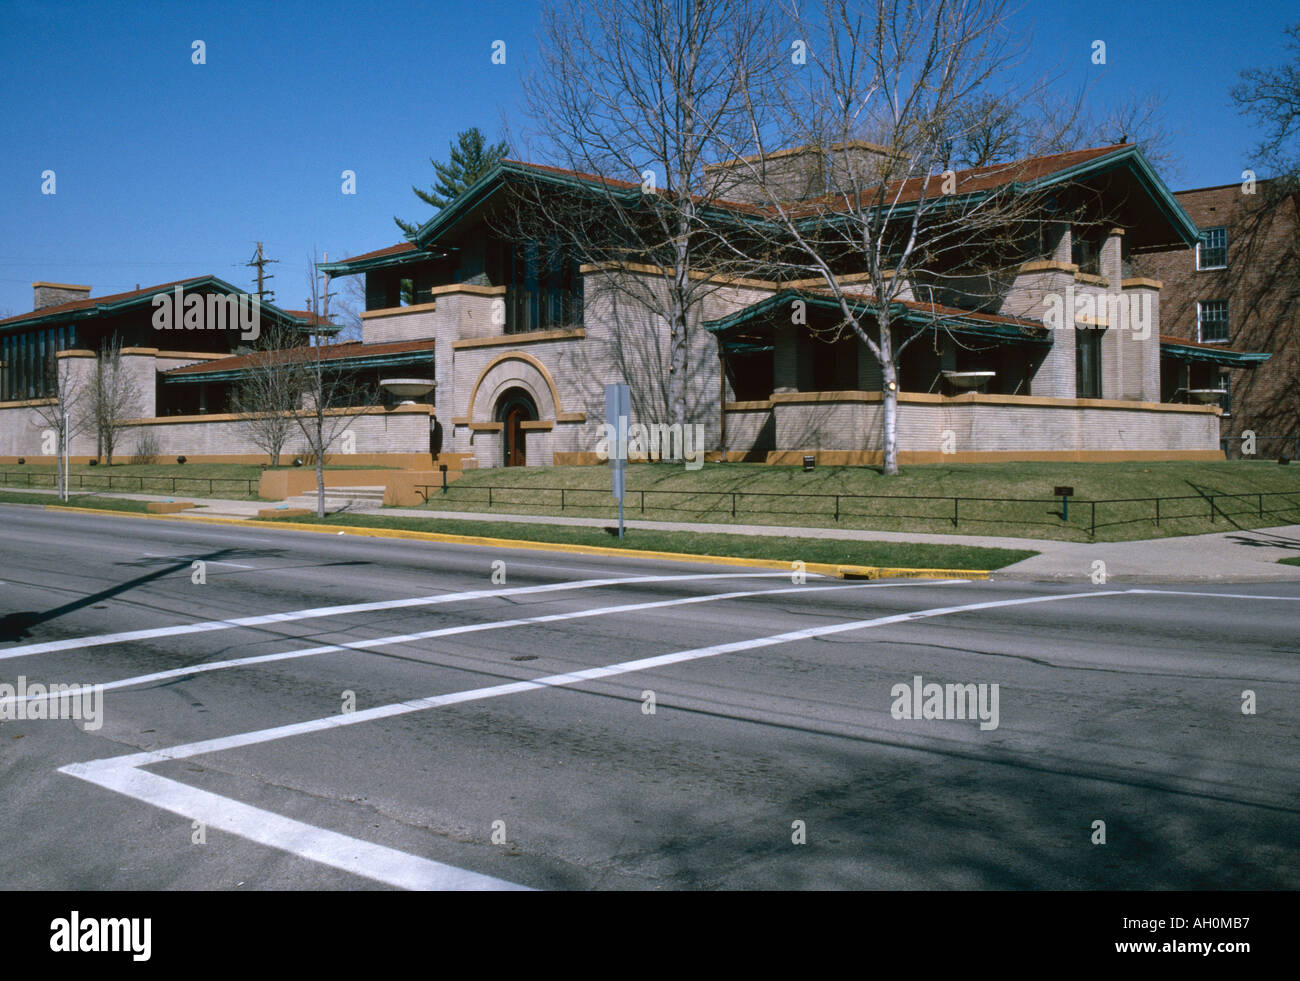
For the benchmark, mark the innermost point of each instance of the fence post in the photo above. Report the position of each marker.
(561, 498)
(837, 507)
(1261, 505)
(1211, 509)
(489, 495)
(1157, 512)
(1092, 529)
(733, 504)
(643, 502)
(955, 518)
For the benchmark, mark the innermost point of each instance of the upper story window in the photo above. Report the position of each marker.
(1212, 249)
(543, 285)
(1085, 251)
(1212, 321)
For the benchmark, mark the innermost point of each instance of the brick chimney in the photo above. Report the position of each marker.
(52, 294)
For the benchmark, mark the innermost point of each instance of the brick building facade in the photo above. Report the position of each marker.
(1239, 288)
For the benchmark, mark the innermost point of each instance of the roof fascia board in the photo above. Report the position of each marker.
(1189, 352)
(108, 309)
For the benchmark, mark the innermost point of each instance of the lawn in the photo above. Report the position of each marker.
(75, 501)
(227, 481)
(827, 550)
(789, 496)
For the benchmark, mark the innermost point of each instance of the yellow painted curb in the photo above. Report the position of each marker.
(889, 572)
(820, 568)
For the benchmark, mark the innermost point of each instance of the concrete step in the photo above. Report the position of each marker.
(335, 502)
(367, 493)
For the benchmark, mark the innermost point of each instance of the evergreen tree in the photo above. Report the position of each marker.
(471, 158)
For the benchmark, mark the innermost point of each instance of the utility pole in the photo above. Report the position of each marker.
(260, 262)
(326, 302)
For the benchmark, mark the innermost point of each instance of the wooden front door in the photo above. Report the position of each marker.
(516, 455)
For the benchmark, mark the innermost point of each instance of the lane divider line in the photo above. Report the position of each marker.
(398, 639)
(149, 633)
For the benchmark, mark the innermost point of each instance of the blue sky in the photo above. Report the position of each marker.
(166, 169)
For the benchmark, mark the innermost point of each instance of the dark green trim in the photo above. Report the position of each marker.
(108, 309)
(350, 267)
(359, 362)
(1232, 359)
(487, 185)
(1130, 157)
(974, 326)
(742, 347)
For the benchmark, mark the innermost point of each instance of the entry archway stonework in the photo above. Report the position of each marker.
(479, 432)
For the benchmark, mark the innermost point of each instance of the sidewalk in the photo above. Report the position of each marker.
(1233, 556)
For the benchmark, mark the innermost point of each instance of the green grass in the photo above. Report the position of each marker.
(833, 551)
(229, 481)
(705, 495)
(75, 501)
(1294, 560)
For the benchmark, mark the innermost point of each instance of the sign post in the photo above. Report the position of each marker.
(1064, 493)
(618, 406)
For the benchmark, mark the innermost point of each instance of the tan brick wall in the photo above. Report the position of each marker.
(395, 431)
(1004, 424)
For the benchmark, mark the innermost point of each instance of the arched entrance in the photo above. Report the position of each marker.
(514, 408)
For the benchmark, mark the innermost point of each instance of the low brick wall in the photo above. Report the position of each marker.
(397, 436)
(970, 427)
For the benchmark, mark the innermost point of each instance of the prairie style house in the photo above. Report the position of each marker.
(525, 338)
(503, 356)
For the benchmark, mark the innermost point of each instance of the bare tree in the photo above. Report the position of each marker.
(68, 416)
(348, 306)
(1271, 96)
(993, 129)
(640, 94)
(265, 397)
(332, 399)
(112, 397)
(890, 84)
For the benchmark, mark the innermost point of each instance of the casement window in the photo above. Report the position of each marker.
(1085, 251)
(543, 285)
(1212, 321)
(1087, 362)
(1212, 249)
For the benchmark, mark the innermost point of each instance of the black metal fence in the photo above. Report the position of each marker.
(845, 507)
(1266, 447)
(107, 481)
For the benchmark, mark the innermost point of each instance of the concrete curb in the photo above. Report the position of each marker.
(821, 568)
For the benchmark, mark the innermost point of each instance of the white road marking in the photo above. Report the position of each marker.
(1184, 592)
(118, 773)
(396, 639)
(363, 858)
(187, 558)
(334, 611)
(223, 743)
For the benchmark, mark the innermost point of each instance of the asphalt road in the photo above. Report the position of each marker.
(501, 732)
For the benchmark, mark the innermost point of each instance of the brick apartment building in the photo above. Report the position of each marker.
(1239, 289)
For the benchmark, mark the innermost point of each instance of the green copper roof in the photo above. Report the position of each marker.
(120, 302)
(1000, 331)
(1219, 356)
